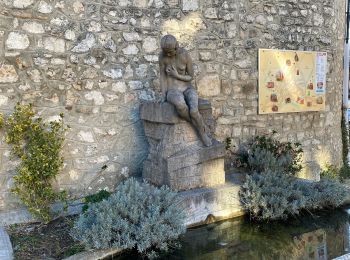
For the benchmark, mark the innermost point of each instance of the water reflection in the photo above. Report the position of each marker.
(322, 236)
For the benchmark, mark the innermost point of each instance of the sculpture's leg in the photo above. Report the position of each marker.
(197, 120)
(178, 100)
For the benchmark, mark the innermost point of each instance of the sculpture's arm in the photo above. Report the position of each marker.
(163, 80)
(186, 78)
(189, 71)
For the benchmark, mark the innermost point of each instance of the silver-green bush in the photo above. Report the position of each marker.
(271, 195)
(138, 216)
(260, 159)
(326, 193)
(265, 153)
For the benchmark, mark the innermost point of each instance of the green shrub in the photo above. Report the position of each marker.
(271, 195)
(330, 172)
(138, 216)
(265, 153)
(344, 171)
(261, 160)
(99, 196)
(334, 173)
(326, 193)
(38, 145)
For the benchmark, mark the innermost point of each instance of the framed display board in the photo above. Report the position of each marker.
(291, 81)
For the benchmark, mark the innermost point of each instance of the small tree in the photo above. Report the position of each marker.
(38, 145)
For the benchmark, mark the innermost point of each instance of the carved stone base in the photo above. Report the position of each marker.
(177, 156)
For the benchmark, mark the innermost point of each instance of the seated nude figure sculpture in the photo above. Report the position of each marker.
(176, 74)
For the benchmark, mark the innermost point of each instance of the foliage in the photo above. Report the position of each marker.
(137, 216)
(344, 171)
(330, 172)
(262, 160)
(272, 195)
(326, 193)
(73, 250)
(335, 173)
(1, 120)
(101, 195)
(266, 153)
(38, 145)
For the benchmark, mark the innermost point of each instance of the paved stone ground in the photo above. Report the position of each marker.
(6, 252)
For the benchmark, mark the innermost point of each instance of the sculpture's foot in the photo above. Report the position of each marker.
(206, 139)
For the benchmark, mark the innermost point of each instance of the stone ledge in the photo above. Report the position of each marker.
(6, 251)
(208, 205)
(95, 255)
(220, 202)
(165, 112)
(23, 216)
(196, 155)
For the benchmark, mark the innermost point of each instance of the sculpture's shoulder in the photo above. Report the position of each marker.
(183, 53)
(161, 57)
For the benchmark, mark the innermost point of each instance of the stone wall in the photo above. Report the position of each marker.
(95, 61)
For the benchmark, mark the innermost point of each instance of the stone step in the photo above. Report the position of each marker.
(6, 251)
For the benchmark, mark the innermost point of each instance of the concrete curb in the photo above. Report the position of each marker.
(23, 216)
(6, 251)
(95, 255)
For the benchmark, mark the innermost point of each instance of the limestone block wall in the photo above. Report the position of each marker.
(96, 60)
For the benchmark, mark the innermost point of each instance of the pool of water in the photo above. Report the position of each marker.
(323, 235)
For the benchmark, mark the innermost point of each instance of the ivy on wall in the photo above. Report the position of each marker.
(38, 145)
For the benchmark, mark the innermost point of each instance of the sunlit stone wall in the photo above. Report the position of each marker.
(96, 60)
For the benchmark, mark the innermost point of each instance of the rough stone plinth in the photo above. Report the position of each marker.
(177, 157)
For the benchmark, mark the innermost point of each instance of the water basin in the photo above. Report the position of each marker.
(323, 235)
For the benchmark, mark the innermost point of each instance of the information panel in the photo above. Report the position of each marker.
(291, 81)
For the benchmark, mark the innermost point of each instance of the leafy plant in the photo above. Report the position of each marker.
(263, 160)
(272, 195)
(138, 216)
(344, 171)
(38, 145)
(101, 195)
(335, 173)
(330, 172)
(266, 153)
(326, 193)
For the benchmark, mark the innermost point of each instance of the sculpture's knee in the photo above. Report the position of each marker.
(182, 109)
(194, 113)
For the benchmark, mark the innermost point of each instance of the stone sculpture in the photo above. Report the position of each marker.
(181, 153)
(176, 74)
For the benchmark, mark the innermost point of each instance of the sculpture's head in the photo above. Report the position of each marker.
(169, 44)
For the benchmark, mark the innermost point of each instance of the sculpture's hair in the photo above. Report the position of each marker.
(168, 42)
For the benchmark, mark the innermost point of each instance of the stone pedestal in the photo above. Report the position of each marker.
(177, 156)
